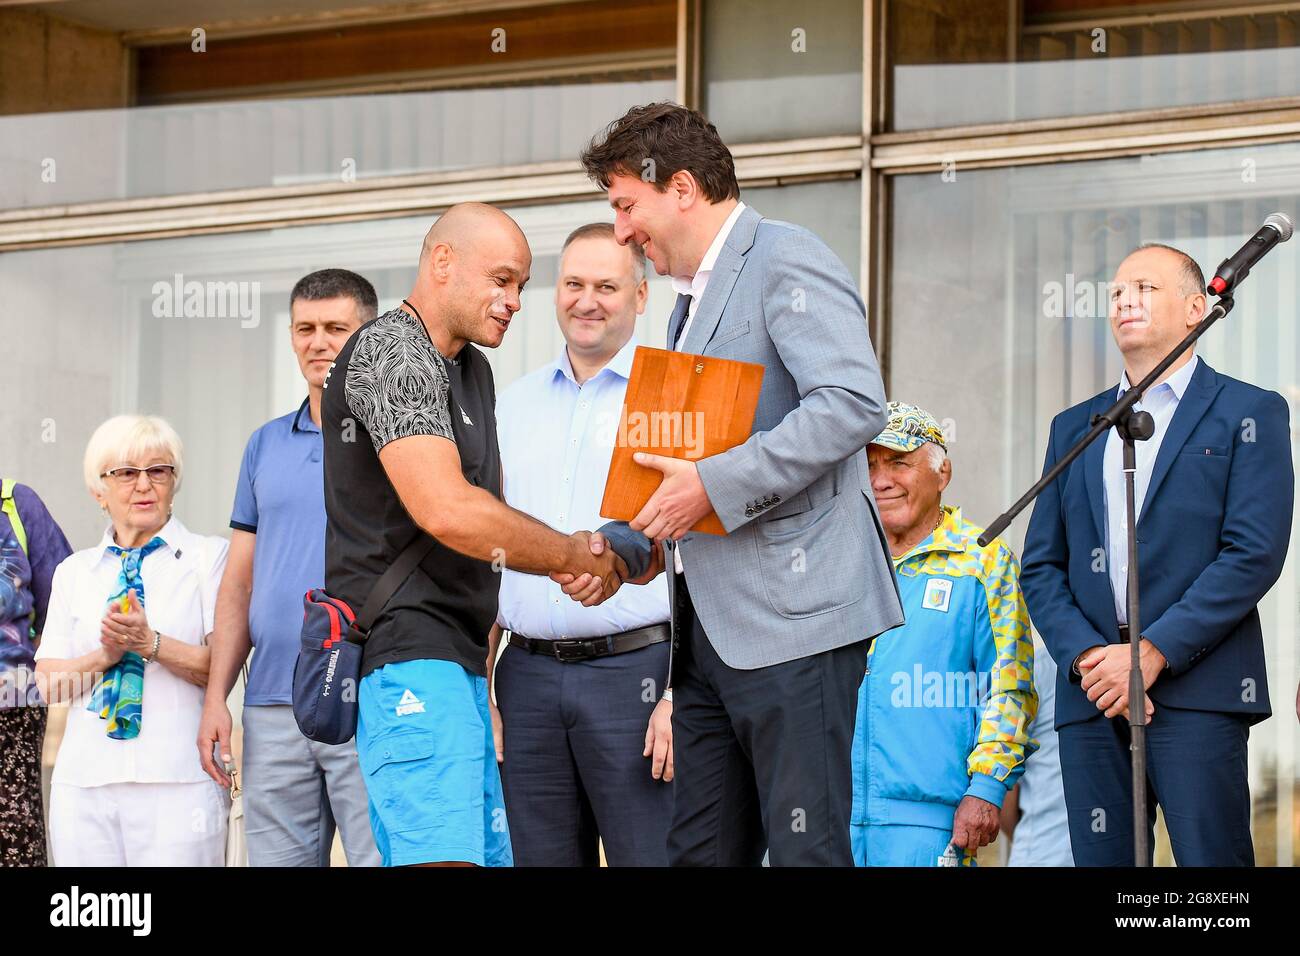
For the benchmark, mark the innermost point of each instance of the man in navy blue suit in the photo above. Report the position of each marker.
(1214, 493)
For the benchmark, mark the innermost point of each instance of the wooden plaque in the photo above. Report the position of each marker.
(680, 406)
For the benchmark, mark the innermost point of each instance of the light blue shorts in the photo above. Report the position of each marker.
(424, 740)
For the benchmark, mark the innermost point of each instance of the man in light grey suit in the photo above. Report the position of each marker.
(772, 621)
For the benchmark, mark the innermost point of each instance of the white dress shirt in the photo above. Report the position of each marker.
(556, 439)
(1161, 402)
(694, 286)
(180, 587)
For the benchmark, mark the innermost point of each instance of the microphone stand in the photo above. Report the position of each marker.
(1133, 426)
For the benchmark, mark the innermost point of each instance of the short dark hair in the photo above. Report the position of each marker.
(658, 140)
(335, 283)
(605, 230)
(1192, 276)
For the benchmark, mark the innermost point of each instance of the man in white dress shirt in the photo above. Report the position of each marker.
(585, 732)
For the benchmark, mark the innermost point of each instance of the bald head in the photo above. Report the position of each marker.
(1191, 281)
(1157, 295)
(473, 268)
(468, 223)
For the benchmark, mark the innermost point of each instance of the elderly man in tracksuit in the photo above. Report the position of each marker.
(945, 708)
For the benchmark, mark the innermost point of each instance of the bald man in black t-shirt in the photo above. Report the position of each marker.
(410, 448)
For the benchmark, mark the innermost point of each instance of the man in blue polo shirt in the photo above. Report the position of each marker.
(295, 790)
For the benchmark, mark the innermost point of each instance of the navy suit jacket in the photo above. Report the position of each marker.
(1212, 539)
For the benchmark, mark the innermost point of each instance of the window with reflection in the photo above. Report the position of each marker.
(775, 70)
(964, 62)
(999, 320)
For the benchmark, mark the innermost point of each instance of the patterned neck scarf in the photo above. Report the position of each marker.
(119, 697)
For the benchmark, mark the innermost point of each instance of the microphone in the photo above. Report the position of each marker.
(1277, 228)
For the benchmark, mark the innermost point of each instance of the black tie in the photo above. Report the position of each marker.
(677, 321)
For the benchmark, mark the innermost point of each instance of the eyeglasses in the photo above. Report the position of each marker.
(126, 475)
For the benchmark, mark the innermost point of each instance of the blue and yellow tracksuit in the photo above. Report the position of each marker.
(945, 707)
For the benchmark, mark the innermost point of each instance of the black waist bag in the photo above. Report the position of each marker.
(327, 674)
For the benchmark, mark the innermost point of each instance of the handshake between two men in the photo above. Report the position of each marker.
(676, 505)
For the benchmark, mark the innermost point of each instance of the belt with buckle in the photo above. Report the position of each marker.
(587, 648)
(1123, 633)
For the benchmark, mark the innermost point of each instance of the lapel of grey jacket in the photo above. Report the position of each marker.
(722, 280)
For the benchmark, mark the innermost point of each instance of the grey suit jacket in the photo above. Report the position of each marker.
(804, 566)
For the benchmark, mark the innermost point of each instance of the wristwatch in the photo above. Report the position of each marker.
(668, 695)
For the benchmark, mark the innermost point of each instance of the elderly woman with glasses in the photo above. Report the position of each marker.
(125, 645)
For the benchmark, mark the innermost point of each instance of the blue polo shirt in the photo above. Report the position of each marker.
(280, 497)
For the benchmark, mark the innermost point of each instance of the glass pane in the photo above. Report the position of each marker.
(774, 70)
(992, 61)
(114, 340)
(89, 335)
(45, 158)
(999, 321)
(833, 210)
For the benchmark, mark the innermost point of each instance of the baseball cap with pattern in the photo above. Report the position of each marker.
(909, 427)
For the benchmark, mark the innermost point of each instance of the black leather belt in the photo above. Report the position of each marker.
(1123, 633)
(585, 649)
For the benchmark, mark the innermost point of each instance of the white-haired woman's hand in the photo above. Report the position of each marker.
(113, 650)
(129, 630)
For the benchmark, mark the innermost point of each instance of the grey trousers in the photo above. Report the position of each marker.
(296, 791)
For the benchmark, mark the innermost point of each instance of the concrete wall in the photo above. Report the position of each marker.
(47, 64)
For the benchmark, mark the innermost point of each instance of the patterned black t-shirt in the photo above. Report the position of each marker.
(389, 382)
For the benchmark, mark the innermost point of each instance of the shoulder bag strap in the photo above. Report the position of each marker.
(392, 579)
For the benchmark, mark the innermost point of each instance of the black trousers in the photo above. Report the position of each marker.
(763, 757)
(573, 772)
